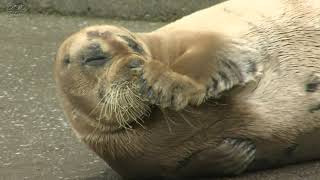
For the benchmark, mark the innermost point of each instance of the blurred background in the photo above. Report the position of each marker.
(36, 142)
(150, 10)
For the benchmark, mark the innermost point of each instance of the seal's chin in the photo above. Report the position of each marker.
(122, 105)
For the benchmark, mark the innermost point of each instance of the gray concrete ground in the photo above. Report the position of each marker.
(36, 142)
(153, 10)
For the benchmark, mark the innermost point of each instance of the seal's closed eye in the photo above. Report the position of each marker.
(97, 61)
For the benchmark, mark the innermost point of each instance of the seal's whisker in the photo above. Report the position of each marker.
(100, 114)
(215, 103)
(122, 113)
(99, 103)
(101, 110)
(122, 102)
(125, 122)
(138, 108)
(191, 111)
(105, 107)
(113, 105)
(168, 120)
(134, 117)
(186, 120)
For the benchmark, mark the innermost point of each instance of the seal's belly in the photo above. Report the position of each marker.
(289, 107)
(306, 147)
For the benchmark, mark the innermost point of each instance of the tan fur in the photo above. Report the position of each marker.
(237, 70)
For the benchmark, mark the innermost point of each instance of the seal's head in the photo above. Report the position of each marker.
(93, 77)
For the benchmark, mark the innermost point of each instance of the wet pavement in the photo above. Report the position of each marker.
(36, 141)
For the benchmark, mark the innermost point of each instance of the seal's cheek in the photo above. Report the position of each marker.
(76, 83)
(121, 70)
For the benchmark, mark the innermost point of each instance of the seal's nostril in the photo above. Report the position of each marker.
(95, 56)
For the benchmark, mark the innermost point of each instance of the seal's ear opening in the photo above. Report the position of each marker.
(66, 60)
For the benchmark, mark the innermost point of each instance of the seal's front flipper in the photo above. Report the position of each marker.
(161, 86)
(231, 157)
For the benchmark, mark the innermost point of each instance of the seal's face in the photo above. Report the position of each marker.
(92, 73)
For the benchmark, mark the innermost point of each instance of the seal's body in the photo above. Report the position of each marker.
(228, 89)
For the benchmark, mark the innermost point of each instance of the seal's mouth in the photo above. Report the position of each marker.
(122, 103)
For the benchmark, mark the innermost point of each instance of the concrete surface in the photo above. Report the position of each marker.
(36, 142)
(154, 10)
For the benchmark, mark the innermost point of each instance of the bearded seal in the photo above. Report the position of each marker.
(228, 89)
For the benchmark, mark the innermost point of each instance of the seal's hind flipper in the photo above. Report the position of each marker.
(231, 157)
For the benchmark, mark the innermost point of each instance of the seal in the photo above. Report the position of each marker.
(228, 89)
